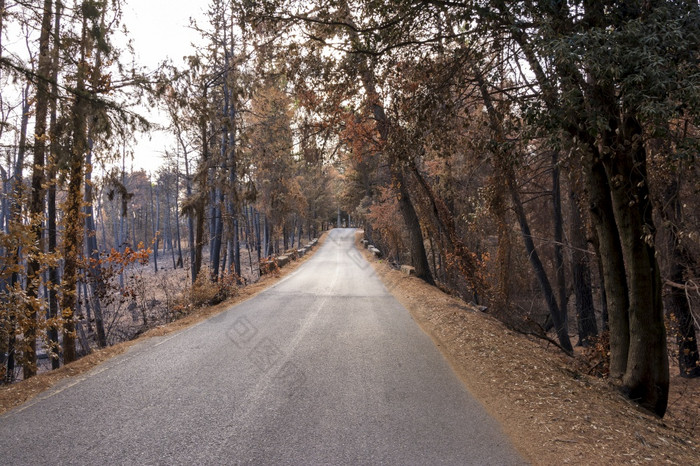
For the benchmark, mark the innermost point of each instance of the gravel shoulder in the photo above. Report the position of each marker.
(553, 413)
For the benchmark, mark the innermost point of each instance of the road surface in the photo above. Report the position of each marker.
(325, 367)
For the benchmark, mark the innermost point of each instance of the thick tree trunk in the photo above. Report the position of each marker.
(612, 265)
(233, 204)
(249, 240)
(646, 379)
(300, 232)
(72, 243)
(604, 315)
(258, 244)
(237, 248)
(157, 234)
(266, 237)
(415, 234)
(190, 222)
(285, 237)
(213, 216)
(168, 225)
(199, 240)
(180, 262)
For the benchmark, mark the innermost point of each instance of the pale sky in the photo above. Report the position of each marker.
(160, 29)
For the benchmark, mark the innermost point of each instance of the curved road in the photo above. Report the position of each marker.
(326, 367)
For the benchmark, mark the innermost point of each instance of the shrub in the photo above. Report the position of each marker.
(207, 292)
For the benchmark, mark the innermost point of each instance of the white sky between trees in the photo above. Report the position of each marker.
(159, 29)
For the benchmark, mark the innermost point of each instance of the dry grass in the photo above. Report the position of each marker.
(553, 413)
(19, 393)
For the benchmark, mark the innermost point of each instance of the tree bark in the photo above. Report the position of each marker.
(169, 226)
(54, 276)
(581, 275)
(559, 239)
(217, 239)
(38, 191)
(612, 264)
(73, 225)
(94, 268)
(233, 205)
(194, 269)
(678, 308)
(15, 220)
(646, 379)
(153, 229)
(203, 175)
(615, 173)
(180, 262)
(258, 243)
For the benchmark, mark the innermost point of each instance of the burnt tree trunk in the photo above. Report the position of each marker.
(506, 171)
(73, 226)
(54, 276)
(38, 191)
(678, 308)
(94, 267)
(554, 311)
(581, 275)
(559, 240)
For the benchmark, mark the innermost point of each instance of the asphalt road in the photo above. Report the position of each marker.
(326, 367)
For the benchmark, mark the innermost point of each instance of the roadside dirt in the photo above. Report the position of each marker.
(553, 413)
(19, 393)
